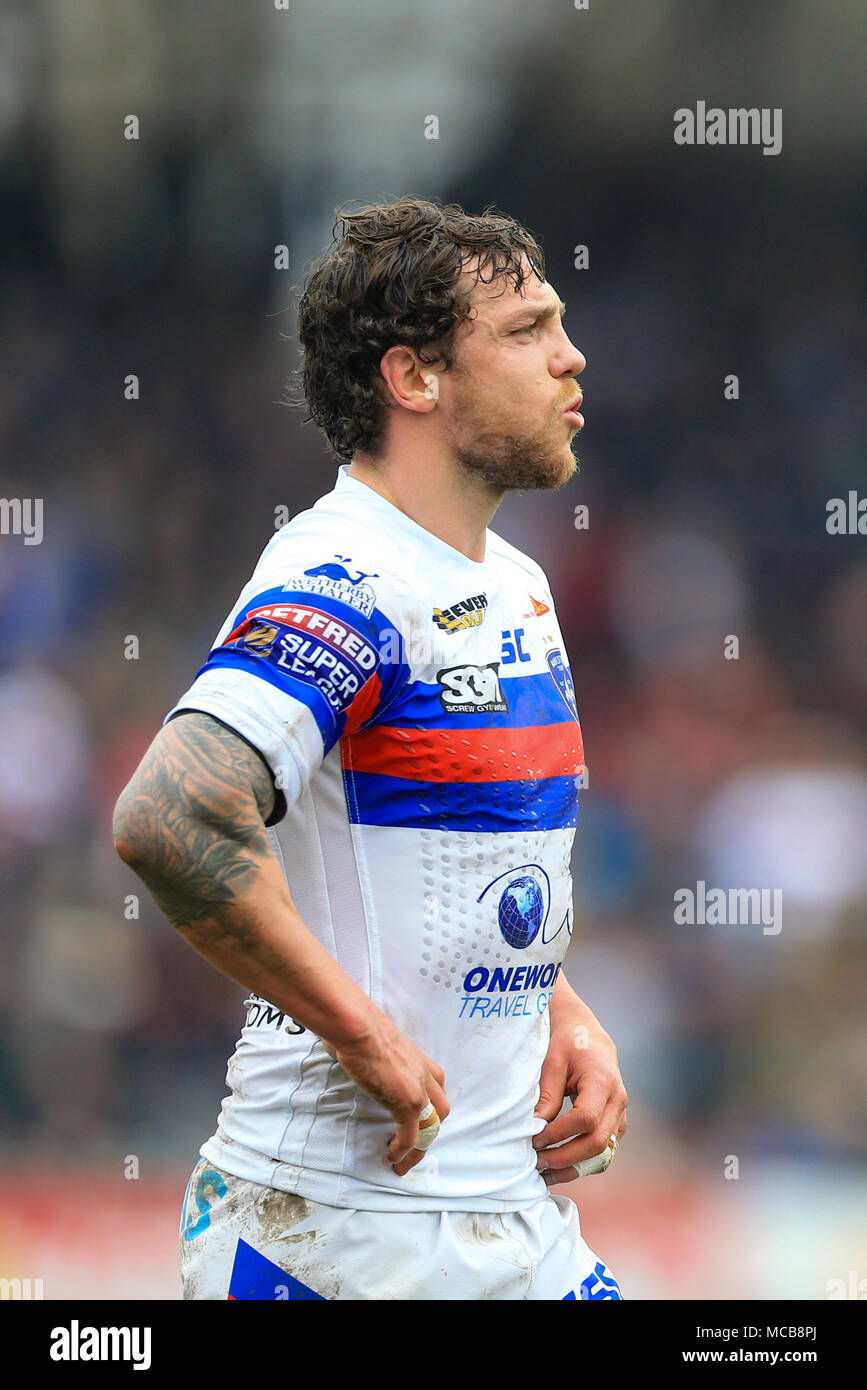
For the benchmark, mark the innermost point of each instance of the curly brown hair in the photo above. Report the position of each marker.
(393, 275)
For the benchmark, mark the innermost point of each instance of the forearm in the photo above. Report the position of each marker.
(565, 1005)
(196, 837)
(263, 944)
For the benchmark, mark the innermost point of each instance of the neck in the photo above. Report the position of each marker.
(452, 505)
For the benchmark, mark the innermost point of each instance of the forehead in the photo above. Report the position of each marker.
(499, 298)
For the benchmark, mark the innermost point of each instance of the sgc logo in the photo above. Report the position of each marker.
(472, 689)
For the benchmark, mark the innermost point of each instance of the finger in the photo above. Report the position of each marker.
(414, 1154)
(597, 1163)
(583, 1118)
(586, 1146)
(436, 1071)
(591, 1110)
(429, 1127)
(438, 1098)
(402, 1142)
(555, 1177)
(552, 1089)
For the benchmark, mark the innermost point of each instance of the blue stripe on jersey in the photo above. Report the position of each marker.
(532, 700)
(549, 803)
(305, 691)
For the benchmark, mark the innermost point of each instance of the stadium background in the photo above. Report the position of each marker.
(156, 257)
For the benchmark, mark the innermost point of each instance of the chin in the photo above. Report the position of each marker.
(562, 469)
(515, 462)
(570, 465)
(541, 474)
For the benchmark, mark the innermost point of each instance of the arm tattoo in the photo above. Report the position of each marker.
(191, 821)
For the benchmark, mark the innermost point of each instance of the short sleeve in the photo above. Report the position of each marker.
(299, 665)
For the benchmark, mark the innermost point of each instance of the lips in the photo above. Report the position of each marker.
(572, 413)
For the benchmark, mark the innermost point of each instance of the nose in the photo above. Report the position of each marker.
(569, 361)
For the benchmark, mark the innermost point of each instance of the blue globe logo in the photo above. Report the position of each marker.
(520, 911)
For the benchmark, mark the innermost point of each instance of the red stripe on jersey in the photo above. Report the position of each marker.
(468, 755)
(363, 705)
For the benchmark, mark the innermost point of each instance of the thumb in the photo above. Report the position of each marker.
(552, 1088)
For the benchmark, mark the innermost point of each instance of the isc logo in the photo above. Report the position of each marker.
(472, 689)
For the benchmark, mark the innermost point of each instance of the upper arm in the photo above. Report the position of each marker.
(305, 660)
(197, 774)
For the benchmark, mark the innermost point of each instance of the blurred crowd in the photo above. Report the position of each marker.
(738, 765)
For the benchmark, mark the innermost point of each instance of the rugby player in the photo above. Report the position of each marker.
(363, 810)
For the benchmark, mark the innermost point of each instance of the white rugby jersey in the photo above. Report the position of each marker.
(416, 708)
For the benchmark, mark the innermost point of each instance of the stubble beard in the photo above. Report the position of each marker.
(508, 460)
(512, 461)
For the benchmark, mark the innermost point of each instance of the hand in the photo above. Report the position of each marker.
(581, 1062)
(390, 1068)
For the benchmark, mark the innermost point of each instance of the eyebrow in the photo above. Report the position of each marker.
(547, 312)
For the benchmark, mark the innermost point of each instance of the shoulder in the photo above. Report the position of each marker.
(516, 560)
(327, 552)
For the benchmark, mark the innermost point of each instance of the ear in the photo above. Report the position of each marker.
(407, 381)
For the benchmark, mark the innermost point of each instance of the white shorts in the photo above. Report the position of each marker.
(240, 1240)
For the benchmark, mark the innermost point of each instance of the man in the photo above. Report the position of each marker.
(364, 806)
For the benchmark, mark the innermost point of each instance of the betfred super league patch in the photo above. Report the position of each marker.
(310, 644)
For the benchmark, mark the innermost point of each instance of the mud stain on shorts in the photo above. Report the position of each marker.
(278, 1212)
(300, 1253)
(479, 1228)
